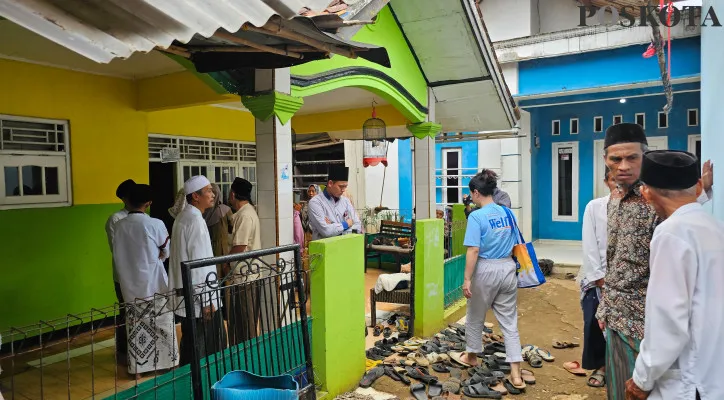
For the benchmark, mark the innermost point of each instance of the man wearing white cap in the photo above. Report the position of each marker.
(190, 240)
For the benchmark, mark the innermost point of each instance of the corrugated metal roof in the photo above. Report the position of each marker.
(106, 29)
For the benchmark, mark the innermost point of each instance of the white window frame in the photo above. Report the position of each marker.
(692, 143)
(636, 119)
(553, 130)
(696, 110)
(578, 126)
(444, 186)
(594, 124)
(620, 117)
(210, 163)
(55, 159)
(575, 184)
(658, 120)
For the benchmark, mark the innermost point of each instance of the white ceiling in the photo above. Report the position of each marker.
(348, 98)
(21, 44)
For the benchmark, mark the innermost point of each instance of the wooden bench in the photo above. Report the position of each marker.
(390, 230)
(401, 296)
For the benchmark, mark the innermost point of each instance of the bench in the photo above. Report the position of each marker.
(401, 296)
(390, 231)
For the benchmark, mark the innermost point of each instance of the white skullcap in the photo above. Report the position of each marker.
(195, 183)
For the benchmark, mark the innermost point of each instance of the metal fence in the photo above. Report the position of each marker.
(454, 238)
(454, 275)
(259, 325)
(264, 300)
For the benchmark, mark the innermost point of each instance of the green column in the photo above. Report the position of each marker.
(459, 222)
(338, 311)
(429, 277)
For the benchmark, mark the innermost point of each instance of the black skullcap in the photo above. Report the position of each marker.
(140, 194)
(242, 187)
(338, 173)
(624, 133)
(124, 189)
(670, 169)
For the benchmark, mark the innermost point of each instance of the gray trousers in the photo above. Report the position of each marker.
(494, 285)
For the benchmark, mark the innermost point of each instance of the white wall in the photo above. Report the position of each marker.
(558, 15)
(510, 74)
(357, 183)
(712, 119)
(507, 19)
(374, 177)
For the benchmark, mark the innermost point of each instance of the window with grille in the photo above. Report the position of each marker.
(220, 161)
(35, 163)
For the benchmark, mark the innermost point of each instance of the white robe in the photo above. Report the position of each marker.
(190, 240)
(684, 333)
(140, 245)
(110, 227)
(594, 241)
(321, 207)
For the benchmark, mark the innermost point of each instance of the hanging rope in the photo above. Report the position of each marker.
(384, 175)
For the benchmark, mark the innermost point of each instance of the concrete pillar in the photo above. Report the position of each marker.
(338, 312)
(423, 177)
(274, 166)
(712, 119)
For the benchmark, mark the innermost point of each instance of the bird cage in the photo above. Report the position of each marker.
(374, 132)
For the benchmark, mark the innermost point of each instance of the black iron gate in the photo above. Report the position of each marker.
(252, 318)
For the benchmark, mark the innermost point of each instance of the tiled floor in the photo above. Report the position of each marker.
(568, 253)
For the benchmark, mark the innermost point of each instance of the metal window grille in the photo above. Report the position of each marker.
(201, 149)
(35, 162)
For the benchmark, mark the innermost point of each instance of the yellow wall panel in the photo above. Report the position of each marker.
(108, 135)
(108, 141)
(345, 120)
(203, 121)
(180, 89)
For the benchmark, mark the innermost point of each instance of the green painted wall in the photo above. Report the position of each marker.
(338, 311)
(429, 277)
(384, 32)
(55, 261)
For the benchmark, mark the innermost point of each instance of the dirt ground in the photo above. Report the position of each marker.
(550, 312)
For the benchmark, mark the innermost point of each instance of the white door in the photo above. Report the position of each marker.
(599, 165)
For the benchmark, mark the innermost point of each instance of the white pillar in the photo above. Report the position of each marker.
(423, 175)
(712, 119)
(274, 166)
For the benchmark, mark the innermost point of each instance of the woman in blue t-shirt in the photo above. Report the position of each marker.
(490, 274)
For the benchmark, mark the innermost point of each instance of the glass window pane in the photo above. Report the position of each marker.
(203, 171)
(12, 181)
(565, 181)
(252, 174)
(187, 173)
(51, 180)
(32, 180)
(218, 177)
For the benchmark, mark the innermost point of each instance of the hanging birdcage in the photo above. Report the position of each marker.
(374, 132)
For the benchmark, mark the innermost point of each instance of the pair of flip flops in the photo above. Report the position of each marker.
(420, 374)
(397, 374)
(564, 345)
(420, 392)
(535, 356)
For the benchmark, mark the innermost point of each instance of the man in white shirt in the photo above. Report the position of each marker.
(684, 320)
(590, 279)
(190, 240)
(332, 214)
(140, 246)
(122, 192)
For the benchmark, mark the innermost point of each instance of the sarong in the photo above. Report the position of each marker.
(151, 332)
(621, 353)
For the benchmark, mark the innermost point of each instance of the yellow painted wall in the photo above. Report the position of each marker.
(345, 120)
(179, 89)
(108, 135)
(203, 121)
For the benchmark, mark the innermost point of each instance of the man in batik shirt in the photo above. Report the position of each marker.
(631, 224)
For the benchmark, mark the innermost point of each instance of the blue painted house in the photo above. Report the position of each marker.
(574, 98)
